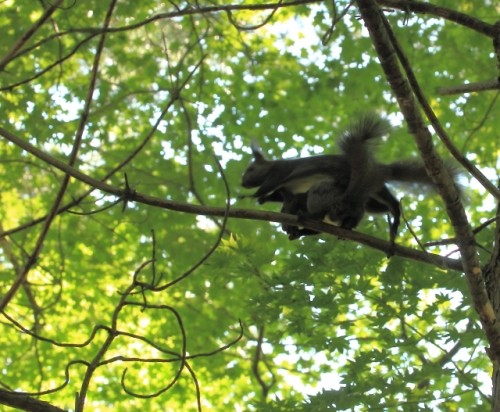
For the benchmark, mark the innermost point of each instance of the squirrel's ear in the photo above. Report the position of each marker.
(257, 152)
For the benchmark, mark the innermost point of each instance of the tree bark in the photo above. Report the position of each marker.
(26, 403)
(492, 280)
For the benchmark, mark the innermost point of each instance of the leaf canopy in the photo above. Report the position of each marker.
(127, 301)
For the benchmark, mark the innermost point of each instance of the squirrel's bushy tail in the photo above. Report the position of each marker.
(408, 171)
(413, 172)
(357, 145)
(365, 131)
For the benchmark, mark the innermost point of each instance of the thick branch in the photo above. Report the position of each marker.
(492, 279)
(125, 194)
(372, 16)
(26, 403)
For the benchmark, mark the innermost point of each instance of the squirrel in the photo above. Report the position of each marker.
(339, 187)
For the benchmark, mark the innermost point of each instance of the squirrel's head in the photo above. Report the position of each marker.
(257, 172)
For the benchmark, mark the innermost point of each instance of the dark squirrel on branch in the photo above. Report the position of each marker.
(339, 188)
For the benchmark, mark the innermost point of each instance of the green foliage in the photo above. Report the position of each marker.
(327, 324)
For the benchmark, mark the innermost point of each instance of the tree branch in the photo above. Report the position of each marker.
(447, 14)
(28, 34)
(483, 86)
(379, 244)
(21, 277)
(26, 403)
